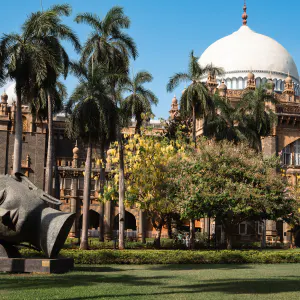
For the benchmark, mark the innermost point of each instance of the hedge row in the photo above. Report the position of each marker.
(177, 256)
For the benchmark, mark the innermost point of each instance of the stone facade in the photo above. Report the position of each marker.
(70, 158)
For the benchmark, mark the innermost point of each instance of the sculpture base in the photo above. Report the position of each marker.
(36, 265)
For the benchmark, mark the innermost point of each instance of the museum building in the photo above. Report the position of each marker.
(249, 59)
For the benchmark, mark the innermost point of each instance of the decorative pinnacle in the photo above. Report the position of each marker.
(245, 16)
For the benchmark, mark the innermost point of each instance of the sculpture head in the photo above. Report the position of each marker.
(25, 216)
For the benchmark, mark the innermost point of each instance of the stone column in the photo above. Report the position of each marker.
(141, 227)
(107, 221)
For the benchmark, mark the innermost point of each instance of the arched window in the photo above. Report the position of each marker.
(286, 155)
(240, 83)
(258, 81)
(234, 83)
(297, 153)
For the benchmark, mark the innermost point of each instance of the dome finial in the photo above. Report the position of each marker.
(245, 16)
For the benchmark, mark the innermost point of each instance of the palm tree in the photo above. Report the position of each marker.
(47, 26)
(110, 46)
(140, 99)
(196, 96)
(26, 64)
(223, 123)
(108, 43)
(256, 116)
(92, 114)
(248, 122)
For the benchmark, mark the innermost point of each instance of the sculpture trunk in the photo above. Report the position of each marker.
(18, 135)
(86, 198)
(121, 193)
(49, 164)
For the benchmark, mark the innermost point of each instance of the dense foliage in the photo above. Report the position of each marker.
(231, 183)
(102, 257)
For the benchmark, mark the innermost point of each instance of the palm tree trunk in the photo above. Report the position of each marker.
(18, 135)
(138, 125)
(102, 183)
(121, 193)
(194, 125)
(49, 163)
(86, 198)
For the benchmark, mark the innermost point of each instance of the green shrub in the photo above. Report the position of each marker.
(176, 256)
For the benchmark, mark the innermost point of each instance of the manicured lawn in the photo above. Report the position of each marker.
(159, 282)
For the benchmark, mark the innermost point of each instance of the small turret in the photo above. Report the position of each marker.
(174, 108)
(222, 89)
(251, 81)
(289, 89)
(75, 156)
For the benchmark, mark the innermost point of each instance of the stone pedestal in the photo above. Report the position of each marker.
(36, 265)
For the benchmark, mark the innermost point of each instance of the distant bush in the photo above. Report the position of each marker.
(176, 256)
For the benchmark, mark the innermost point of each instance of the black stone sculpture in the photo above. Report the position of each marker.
(25, 216)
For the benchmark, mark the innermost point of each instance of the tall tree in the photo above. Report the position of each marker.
(247, 187)
(195, 99)
(47, 26)
(196, 96)
(110, 46)
(92, 114)
(139, 99)
(26, 63)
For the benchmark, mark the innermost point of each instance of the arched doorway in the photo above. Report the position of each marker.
(130, 221)
(94, 218)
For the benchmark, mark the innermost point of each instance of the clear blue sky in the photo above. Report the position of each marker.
(167, 30)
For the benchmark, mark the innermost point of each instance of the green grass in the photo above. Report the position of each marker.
(159, 282)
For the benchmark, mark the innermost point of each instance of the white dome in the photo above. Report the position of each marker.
(246, 50)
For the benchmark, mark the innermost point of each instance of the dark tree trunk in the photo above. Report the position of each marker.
(228, 241)
(121, 193)
(86, 198)
(263, 236)
(169, 226)
(101, 222)
(49, 163)
(102, 184)
(138, 125)
(158, 235)
(208, 232)
(194, 126)
(17, 162)
(192, 233)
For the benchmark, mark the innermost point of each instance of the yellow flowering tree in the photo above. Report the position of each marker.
(146, 161)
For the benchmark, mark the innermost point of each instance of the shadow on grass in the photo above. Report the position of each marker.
(199, 267)
(233, 286)
(95, 269)
(21, 282)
